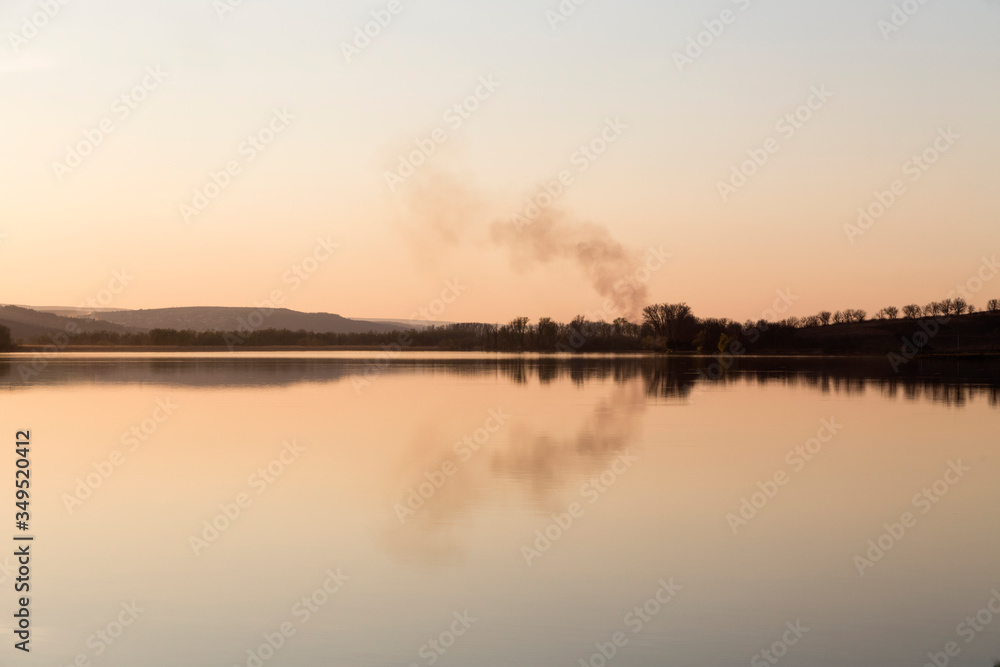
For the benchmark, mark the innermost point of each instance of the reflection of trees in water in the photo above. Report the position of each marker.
(945, 382)
(547, 466)
(669, 382)
(940, 381)
(672, 378)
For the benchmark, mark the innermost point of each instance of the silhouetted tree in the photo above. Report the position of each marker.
(892, 312)
(912, 311)
(519, 330)
(825, 316)
(655, 318)
(937, 308)
(548, 333)
(6, 341)
(993, 305)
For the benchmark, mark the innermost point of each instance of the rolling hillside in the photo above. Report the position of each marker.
(26, 323)
(231, 319)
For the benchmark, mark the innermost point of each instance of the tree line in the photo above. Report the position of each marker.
(662, 327)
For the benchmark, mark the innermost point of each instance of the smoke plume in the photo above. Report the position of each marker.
(608, 266)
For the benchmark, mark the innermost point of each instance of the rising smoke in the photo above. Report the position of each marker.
(606, 263)
(442, 213)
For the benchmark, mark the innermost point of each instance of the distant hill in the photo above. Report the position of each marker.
(231, 319)
(27, 323)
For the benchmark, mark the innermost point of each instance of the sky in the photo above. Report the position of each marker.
(225, 153)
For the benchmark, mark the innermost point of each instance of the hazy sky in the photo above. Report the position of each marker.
(199, 80)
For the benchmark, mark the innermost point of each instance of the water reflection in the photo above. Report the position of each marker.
(952, 382)
(701, 447)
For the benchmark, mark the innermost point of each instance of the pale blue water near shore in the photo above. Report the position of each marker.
(482, 510)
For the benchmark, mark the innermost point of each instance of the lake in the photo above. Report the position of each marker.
(482, 510)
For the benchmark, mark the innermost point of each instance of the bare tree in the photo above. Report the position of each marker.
(993, 305)
(656, 318)
(548, 333)
(938, 307)
(824, 317)
(667, 319)
(519, 327)
(912, 311)
(892, 312)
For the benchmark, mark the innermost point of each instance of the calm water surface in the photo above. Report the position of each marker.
(483, 510)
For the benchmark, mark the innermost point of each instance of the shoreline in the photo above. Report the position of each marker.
(174, 349)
